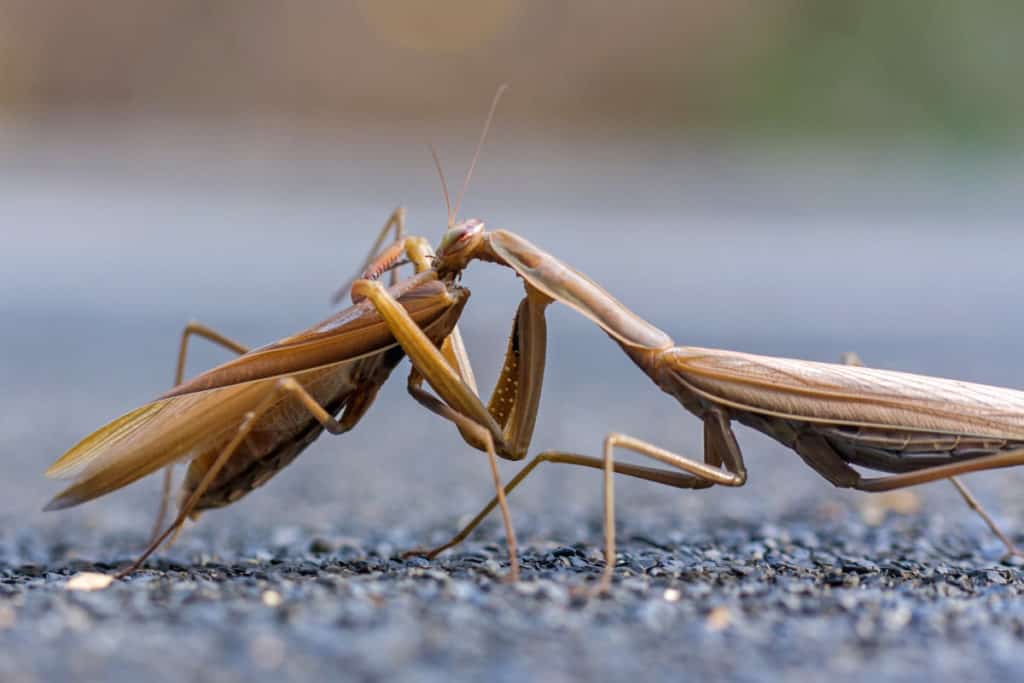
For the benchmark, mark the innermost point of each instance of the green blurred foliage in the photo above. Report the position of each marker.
(887, 68)
(915, 69)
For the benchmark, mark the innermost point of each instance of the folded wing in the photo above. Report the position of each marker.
(844, 394)
(149, 438)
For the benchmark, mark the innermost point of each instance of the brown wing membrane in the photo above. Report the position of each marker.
(349, 334)
(844, 394)
(75, 462)
(148, 439)
(194, 417)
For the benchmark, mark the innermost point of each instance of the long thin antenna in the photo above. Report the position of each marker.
(479, 145)
(444, 183)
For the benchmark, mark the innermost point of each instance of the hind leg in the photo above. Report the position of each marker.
(211, 335)
(851, 358)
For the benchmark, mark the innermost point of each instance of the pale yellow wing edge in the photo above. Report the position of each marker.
(78, 458)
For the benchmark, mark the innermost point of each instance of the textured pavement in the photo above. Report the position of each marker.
(795, 598)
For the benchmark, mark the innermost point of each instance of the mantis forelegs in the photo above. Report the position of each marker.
(459, 402)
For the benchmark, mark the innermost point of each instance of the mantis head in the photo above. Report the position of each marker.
(460, 244)
(465, 240)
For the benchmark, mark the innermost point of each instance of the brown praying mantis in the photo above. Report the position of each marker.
(240, 423)
(835, 417)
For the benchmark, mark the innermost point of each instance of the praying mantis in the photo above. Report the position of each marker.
(835, 417)
(241, 422)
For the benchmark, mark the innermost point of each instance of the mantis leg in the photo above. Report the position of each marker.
(972, 502)
(396, 222)
(669, 478)
(208, 333)
(513, 403)
(851, 358)
(1011, 458)
(508, 430)
(819, 455)
(446, 381)
(515, 398)
(468, 426)
(418, 252)
(719, 446)
(284, 386)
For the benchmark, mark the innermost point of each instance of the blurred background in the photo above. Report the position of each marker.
(940, 72)
(796, 178)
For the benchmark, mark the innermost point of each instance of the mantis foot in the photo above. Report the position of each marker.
(425, 553)
(1011, 552)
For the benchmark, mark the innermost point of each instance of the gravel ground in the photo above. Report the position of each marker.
(115, 249)
(804, 600)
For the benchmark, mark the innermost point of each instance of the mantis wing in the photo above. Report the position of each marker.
(845, 394)
(148, 439)
(182, 423)
(349, 334)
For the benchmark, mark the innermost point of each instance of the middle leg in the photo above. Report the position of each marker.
(719, 447)
(286, 386)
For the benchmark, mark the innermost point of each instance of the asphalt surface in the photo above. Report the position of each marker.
(107, 255)
(799, 599)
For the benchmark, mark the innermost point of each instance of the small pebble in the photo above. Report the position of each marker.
(88, 581)
(8, 617)
(718, 619)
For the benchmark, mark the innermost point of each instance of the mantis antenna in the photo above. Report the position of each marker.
(444, 184)
(483, 136)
